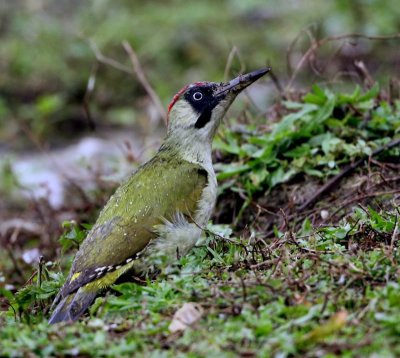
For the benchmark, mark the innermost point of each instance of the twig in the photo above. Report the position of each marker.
(339, 74)
(344, 173)
(318, 43)
(217, 235)
(277, 84)
(394, 90)
(244, 290)
(18, 225)
(295, 242)
(222, 237)
(265, 263)
(14, 261)
(364, 73)
(108, 61)
(363, 197)
(40, 271)
(234, 51)
(331, 60)
(291, 47)
(137, 69)
(394, 235)
(86, 98)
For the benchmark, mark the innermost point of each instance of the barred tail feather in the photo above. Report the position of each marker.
(71, 307)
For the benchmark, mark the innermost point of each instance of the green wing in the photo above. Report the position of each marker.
(159, 189)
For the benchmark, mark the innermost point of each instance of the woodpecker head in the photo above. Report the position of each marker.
(197, 109)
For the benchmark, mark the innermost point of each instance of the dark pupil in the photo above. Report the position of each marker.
(197, 96)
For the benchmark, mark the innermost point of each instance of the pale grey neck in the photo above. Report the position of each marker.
(193, 150)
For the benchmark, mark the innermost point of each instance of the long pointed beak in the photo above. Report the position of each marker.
(241, 82)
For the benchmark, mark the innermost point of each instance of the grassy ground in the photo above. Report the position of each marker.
(278, 274)
(302, 255)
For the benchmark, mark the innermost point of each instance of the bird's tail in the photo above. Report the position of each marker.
(71, 307)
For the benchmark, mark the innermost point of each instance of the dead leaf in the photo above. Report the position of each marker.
(332, 326)
(186, 316)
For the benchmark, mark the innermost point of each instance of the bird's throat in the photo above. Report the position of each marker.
(189, 149)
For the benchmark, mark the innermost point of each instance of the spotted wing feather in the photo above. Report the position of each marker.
(159, 189)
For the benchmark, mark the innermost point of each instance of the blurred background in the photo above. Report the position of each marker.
(75, 118)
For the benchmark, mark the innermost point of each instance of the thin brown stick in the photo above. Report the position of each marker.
(108, 61)
(344, 173)
(14, 261)
(234, 52)
(277, 83)
(395, 235)
(364, 73)
(359, 198)
(318, 43)
(394, 90)
(88, 93)
(138, 70)
(290, 49)
(229, 61)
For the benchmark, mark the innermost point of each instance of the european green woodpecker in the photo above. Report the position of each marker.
(159, 212)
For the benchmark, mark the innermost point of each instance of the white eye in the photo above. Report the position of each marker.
(197, 96)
